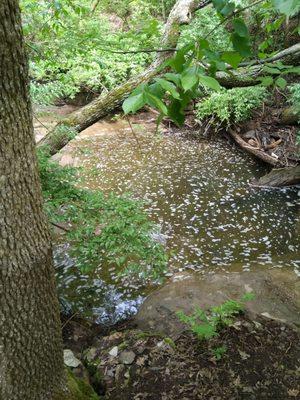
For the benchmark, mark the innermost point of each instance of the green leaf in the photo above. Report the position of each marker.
(155, 102)
(175, 112)
(173, 78)
(224, 7)
(189, 78)
(203, 43)
(228, 9)
(218, 4)
(266, 80)
(287, 7)
(271, 70)
(281, 83)
(210, 82)
(169, 87)
(156, 90)
(240, 27)
(292, 70)
(232, 57)
(133, 103)
(241, 44)
(177, 62)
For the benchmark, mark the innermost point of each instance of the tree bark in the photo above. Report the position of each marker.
(31, 359)
(104, 104)
(280, 177)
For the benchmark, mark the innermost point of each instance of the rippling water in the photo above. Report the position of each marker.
(198, 194)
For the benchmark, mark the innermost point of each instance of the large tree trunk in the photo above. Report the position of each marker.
(103, 105)
(31, 359)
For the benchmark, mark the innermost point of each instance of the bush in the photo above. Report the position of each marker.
(231, 106)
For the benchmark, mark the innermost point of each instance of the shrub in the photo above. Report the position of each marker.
(231, 106)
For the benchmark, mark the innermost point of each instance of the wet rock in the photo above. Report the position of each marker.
(70, 360)
(276, 292)
(127, 357)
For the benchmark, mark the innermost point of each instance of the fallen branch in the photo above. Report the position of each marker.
(254, 151)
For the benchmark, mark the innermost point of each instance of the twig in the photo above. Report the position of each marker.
(133, 133)
(60, 227)
(68, 320)
(34, 116)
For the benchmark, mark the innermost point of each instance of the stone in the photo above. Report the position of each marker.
(114, 351)
(127, 357)
(276, 293)
(70, 360)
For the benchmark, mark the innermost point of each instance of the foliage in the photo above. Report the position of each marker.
(46, 94)
(295, 101)
(72, 46)
(105, 230)
(295, 95)
(231, 106)
(218, 352)
(196, 63)
(204, 21)
(205, 325)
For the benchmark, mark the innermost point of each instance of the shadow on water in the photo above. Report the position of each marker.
(199, 195)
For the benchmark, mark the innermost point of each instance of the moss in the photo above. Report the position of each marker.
(78, 390)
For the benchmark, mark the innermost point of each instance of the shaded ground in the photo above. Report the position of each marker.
(261, 362)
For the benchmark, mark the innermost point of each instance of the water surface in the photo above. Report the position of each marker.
(198, 194)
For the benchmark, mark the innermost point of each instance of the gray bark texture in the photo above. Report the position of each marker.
(106, 103)
(281, 177)
(31, 360)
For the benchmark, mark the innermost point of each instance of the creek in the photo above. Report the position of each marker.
(198, 194)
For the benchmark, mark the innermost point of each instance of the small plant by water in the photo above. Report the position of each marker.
(207, 324)
(103, 230)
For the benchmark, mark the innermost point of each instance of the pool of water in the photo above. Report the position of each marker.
(198, 194)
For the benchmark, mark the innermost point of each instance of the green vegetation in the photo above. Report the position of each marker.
(71, 46)
(109, 230)
(78, 389)
(218, 352)
(207, 324)
(231, 106)
(218, 40)
(295, 95)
